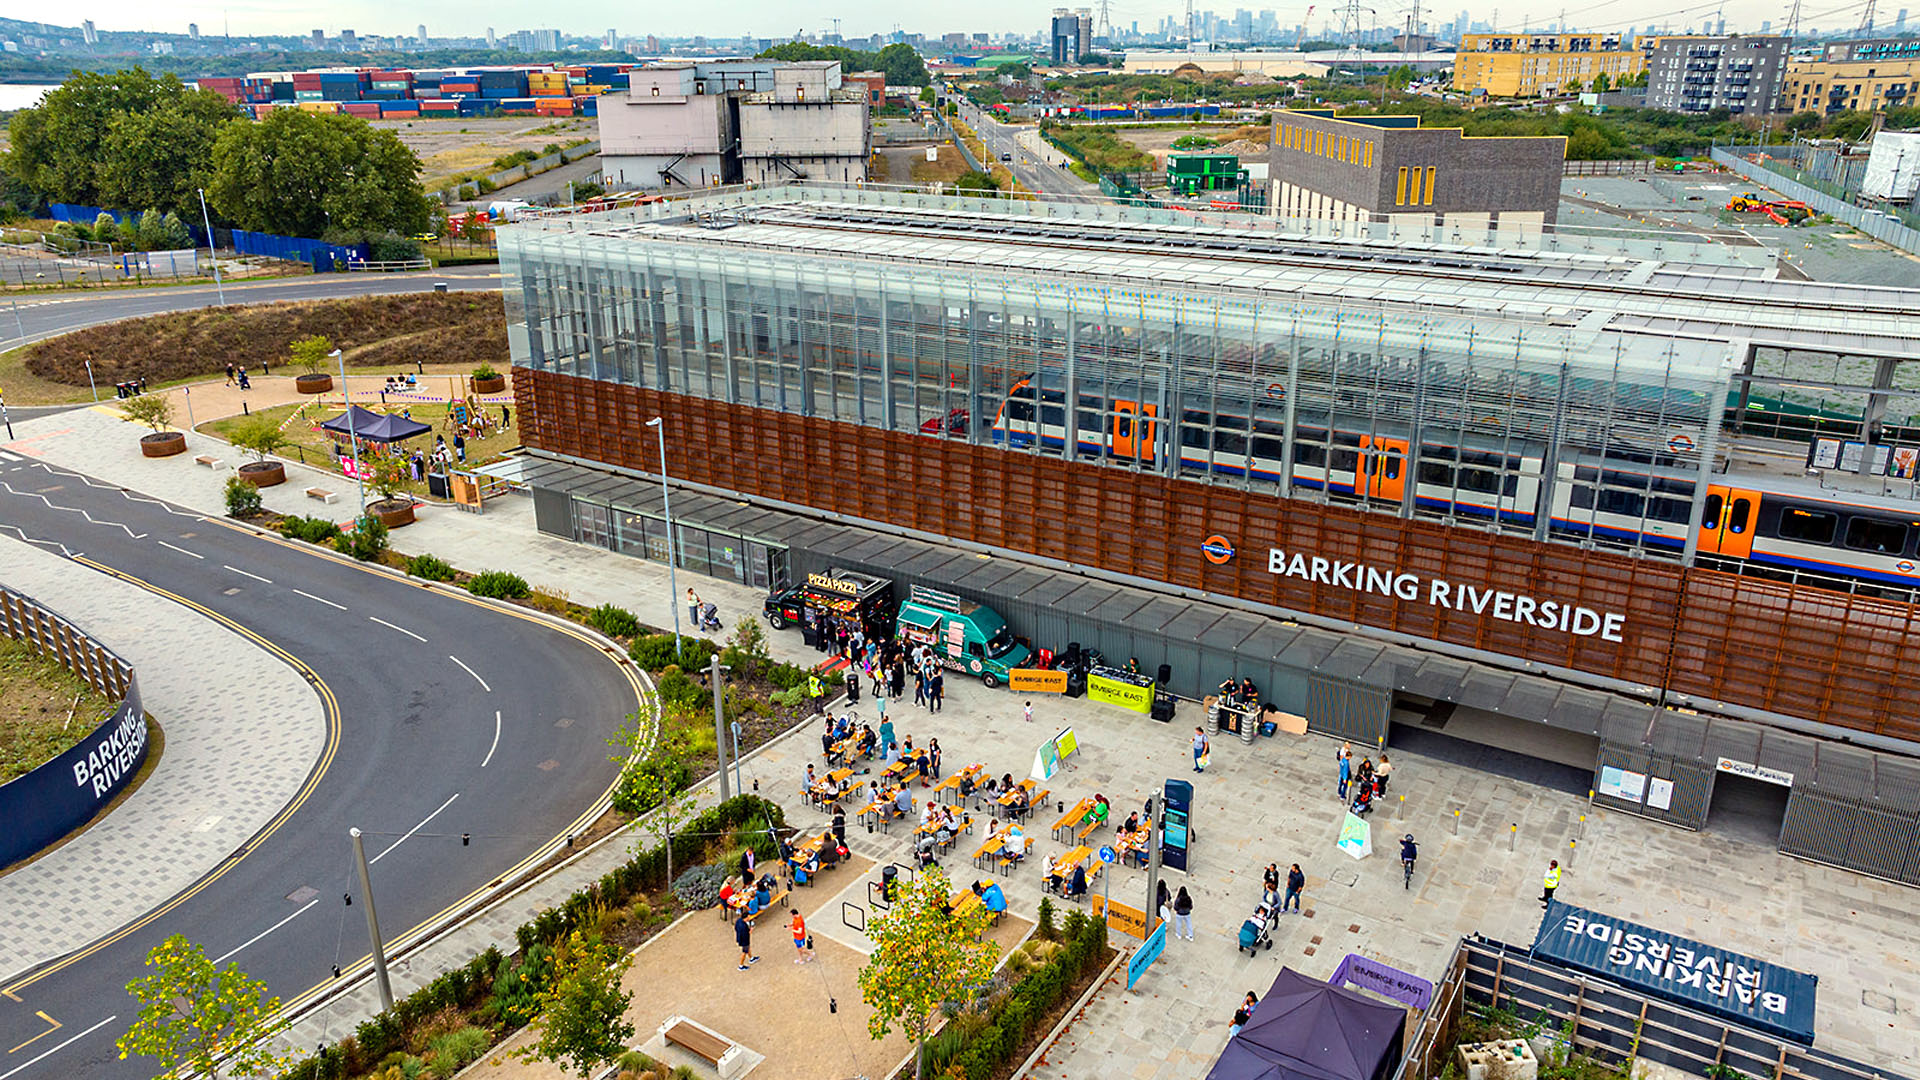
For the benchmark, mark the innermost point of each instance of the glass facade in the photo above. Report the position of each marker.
(1526, 422)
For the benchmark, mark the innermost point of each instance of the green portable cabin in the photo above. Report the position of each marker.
(1192, 174)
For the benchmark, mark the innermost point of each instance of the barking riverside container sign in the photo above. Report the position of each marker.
(1746, 991)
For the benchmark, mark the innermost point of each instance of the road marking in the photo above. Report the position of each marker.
(322, 599)
(243, 573)
(265, 932)
(410, 832)
(402, 629)
(54, 1050)
(470, 671)
(181, 550)
(42, 1035)
(496, 739)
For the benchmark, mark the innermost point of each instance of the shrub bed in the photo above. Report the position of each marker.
(989, 1038)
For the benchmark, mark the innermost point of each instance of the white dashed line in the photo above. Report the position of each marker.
(496, 739)
(265, 932)
(475, 674)
(243, 573)
(415, 829)
(50, 1051)
(321, 599)
(181, 550)
(402, 629)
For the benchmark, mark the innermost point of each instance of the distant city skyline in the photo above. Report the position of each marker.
(780, 19)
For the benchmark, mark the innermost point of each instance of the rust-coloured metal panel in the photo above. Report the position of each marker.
(1794, 650)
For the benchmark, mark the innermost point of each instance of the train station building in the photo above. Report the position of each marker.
(1443, 488)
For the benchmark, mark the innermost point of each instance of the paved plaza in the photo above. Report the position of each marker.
(1273, 801)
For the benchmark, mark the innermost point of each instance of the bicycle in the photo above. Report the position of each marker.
(1407, 864)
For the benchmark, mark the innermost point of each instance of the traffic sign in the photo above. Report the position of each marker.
(1107, 855)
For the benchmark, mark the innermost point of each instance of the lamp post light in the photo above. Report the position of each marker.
(88, 360)
(353, 435)
(666, 507)
(212, 256)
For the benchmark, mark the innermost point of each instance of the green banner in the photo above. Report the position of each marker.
(1115, 692)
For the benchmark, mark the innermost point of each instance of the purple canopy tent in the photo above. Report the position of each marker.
(376, 427)
(1305, 1029)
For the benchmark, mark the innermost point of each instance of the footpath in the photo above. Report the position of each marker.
(1273, 801)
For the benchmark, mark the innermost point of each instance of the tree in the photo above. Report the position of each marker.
(923, 956)
(196, 1019)
(160, 157)
(312, 352)
(976, 181)
(926, 95)
(153, 410)
(258, 436)
(1602, 83)
(653, 775)
(1015, 70)
(124, 139)
(107, 231)
(582, 1009)
(902, 66)
(302, 173)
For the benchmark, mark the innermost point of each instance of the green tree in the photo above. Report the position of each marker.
(107, 231)
(902, 66)
(923, 956)
(1016, 69)
(300, 173)
(311, 353)
(582, 1009)
(1572, 86)
(976, 181)
(153, 410)
(199, 1020)
(653, 777)
(1602, 83)
(120, 139)
(258, 436)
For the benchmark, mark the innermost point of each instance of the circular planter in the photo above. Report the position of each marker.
(494, 385)
(263, 473)
(318, 382)
(163, 444)
(393, 513)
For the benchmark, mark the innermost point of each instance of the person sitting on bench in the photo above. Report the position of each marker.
(1077, 886)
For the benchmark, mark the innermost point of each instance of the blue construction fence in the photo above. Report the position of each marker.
(321, 255)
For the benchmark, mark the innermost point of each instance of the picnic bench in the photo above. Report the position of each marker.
(1071, 819)
(1034, 798)
(209, 461)
(995, 846)
(1065, 864)
(737, 903)
(954, 780)
(321, 494)
(707, 1045)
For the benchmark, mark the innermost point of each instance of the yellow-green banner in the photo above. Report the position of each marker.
(1115, 692)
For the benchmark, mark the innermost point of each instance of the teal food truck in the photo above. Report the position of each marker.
(965, 636)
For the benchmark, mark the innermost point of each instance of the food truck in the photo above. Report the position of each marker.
(965, 636)
(826, 601)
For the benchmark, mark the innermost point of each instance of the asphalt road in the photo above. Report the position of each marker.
(1050, 180)
(26, 319)
(447, 717)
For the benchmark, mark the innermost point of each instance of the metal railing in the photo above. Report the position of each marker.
(24, 620)
(1758, 164)
(378, 266)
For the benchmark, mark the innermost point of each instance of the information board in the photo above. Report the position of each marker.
(1176, 828)
(1146, 954)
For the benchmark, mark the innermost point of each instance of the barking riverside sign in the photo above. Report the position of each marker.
(1512, 607)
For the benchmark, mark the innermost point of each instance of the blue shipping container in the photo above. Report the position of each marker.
(1764, 996)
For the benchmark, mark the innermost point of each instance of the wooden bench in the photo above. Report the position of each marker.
(1072, 817)
(209, 461)
(704, 1044)
(322, 494)
(1086, 830)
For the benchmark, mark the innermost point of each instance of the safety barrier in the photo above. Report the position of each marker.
(1872, 222)
(381, 267)
(46, 804)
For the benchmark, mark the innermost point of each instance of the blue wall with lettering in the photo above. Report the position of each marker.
(60, 796)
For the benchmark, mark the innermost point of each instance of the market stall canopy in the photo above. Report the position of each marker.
(377, 427)
(1305, 1029)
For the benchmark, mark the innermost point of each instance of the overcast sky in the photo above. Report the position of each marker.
(859, 18)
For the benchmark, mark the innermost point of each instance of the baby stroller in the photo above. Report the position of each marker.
(709, 616)
(1257, 931)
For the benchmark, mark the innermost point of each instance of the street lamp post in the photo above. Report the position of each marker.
(212, 256)
(353, 435)
(88, 360)
(666, 507)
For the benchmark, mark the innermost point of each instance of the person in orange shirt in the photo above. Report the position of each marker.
(800, 946)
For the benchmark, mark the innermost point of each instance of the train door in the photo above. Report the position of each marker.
(1133, 430)
(1727, 521)
(1383, 468)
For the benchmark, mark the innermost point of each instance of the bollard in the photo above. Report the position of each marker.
(1573, 846)
(1513, 835)
(1402, 810)
(1589, 799)
(1582, 834)
(1456, 823)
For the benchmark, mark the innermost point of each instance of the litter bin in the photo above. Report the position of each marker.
(440, 286)
(889, 874)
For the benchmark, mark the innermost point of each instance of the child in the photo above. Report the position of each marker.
(1029, 712)
(803, 953)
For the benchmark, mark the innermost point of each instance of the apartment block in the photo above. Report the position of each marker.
(1529, 65)
(1868, 76)
(1374, 168)
(1742, 74)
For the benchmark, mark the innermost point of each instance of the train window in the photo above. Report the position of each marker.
(1053, 415)
(1580, 497)
(1739, 516)
(1312, 455)
(1269, 449)
(1710, 518)
(1230, 442)
(1808, 526)
(1872, 534)
(1020, 409)
(1389, 465)
(1089, 421)
(1672, 510)
(1344, 461)
(1193, 438)
(1437, 474)
(1483, 481)
(1123, 425)
(1626, 503)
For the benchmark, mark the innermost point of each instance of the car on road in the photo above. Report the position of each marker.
(1006, 157)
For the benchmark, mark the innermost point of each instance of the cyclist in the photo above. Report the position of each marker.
(1409, 852)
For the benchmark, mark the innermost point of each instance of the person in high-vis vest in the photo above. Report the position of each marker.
(814, 691)
(1550, 882)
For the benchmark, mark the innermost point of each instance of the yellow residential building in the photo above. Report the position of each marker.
(1528, 65)
(1867, 76)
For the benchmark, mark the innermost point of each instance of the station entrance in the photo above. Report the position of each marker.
(1524, 750)
(1743, 808)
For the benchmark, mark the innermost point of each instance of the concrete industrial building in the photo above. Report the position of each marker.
(1069, 35)
(1741, 74)
(1866, 76)
(1527, 65)
(705, 124)
(1383, 168)
(1236, 451)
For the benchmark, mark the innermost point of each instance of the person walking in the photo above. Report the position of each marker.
(1163, 902)
(505, 415)
(799, 928)
(244, 383)
(839, 825)
(1296, 884)
(460, 447)
(743, 935)
(1346, 773)
(1269, 878)
(919, 689)
(1550, 882)
(1183, 914)
(693, 606)
(1199, 749)
(1380, 774)
(936, 690)
(229, 374)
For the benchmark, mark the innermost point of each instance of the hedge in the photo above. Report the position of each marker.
(1034, 998)
(470, 985)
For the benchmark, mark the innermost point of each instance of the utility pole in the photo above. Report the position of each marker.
(373, 924)
(1793, 23)
(1153, 871)
(212, 257)
(715, 673)
(1866, 21)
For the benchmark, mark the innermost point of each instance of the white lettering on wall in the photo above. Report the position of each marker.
(1555, 615)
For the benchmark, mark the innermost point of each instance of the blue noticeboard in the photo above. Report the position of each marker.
(1146, 954)
(1175, 824)
(1760, 995)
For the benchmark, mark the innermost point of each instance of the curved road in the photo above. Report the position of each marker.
(447, 717)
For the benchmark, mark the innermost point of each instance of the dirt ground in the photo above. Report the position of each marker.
(922, 171)
(777, 1008)
(1157, 138)
(469, 144)
(44, 708)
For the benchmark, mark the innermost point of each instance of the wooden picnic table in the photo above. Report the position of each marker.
(1072, 818)
(827, 789)
(996, 843)
(1133, 845)
(953, 780)
(1034, 797)
(1064, 865)
(900, 772)
(843, 751)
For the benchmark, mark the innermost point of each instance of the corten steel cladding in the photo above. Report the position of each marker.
(1795, 650)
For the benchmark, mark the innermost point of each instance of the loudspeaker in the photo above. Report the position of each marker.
(1162, 708)
(1166, 674)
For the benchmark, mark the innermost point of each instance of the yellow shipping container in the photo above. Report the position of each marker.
(320, 106)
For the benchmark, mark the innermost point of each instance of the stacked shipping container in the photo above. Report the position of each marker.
(373, 92)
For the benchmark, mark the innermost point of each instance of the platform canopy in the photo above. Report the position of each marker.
(1305, 1029)
(377, 427)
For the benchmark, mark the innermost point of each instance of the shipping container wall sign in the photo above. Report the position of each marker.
(1763, 996)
